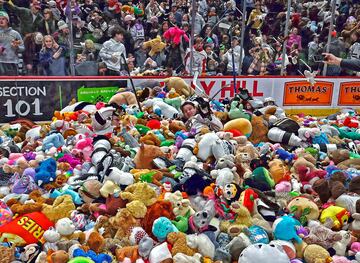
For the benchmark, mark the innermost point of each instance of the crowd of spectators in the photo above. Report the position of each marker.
(108, 37)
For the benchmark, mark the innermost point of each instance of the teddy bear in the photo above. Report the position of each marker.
(123, 97)
(179, 245)
(34, 205)
(66, 228)
(141, 192)
(244, 155)
(179, 85)
(123, 221)
(158, 209)
(155, 45)
(145, 156)
(62, 207)
(130, 252)
(150, 138)
(137, 209)
(224, 176)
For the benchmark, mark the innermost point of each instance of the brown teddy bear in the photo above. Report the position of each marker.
(59, 256)
(124, 97)
(103, 222)
(137, 209)
(141, 192)
(260, 133)
(150, 139)
(244, 155)
(179, 85)
(178, 242)
(123, 221)
(175, 126)
(130, 252)
(96, 242)
(159, 209)
(36, 206)
(145, 156)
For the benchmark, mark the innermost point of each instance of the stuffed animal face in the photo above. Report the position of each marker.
(202, 218)
(263, 253)
(51, 235)
(65, 227)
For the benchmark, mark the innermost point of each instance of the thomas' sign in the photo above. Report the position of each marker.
(302, 93)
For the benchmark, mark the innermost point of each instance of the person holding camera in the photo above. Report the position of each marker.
(52, 57)
(11, 44)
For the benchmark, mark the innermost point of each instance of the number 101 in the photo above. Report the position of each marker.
(22, 108)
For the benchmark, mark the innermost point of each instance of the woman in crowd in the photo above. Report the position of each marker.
(52, 58)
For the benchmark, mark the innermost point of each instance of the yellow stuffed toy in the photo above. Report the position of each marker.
(179, 85)
(155, 45)
(339, 216)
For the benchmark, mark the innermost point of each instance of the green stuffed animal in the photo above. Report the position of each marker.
(237, 111)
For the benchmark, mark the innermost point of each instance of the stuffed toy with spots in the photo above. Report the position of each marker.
(155, 45)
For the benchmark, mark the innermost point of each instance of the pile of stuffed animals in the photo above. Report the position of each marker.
(127, 181)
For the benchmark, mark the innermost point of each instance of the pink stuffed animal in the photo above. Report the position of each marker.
(339, 259)
(354, 248)
(283, 187)
(85, 147)
(174, 34)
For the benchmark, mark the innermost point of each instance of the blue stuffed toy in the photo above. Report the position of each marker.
(45, 172)
(285, 155)
(97, 258)
(53, 140)
(67, 191)
(162, 227)
(285, 227)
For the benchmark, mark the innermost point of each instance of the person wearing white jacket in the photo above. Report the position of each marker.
(113, 51)
(233, 60)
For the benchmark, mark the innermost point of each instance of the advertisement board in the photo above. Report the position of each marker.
(37, 99)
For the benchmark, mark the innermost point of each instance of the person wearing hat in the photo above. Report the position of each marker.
(233, 59)
(11, 44)
(30, 19)
(33, 44)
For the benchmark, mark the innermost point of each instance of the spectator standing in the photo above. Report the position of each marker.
(33, 44)
(153, 9)
(256, 17)
(112, 51)
(294, 38)
(11, 44)
(48, 26)
(337, 48)
(313, 50)
(233, 59)
(199, 22)
(52, 57)
(30, 19)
